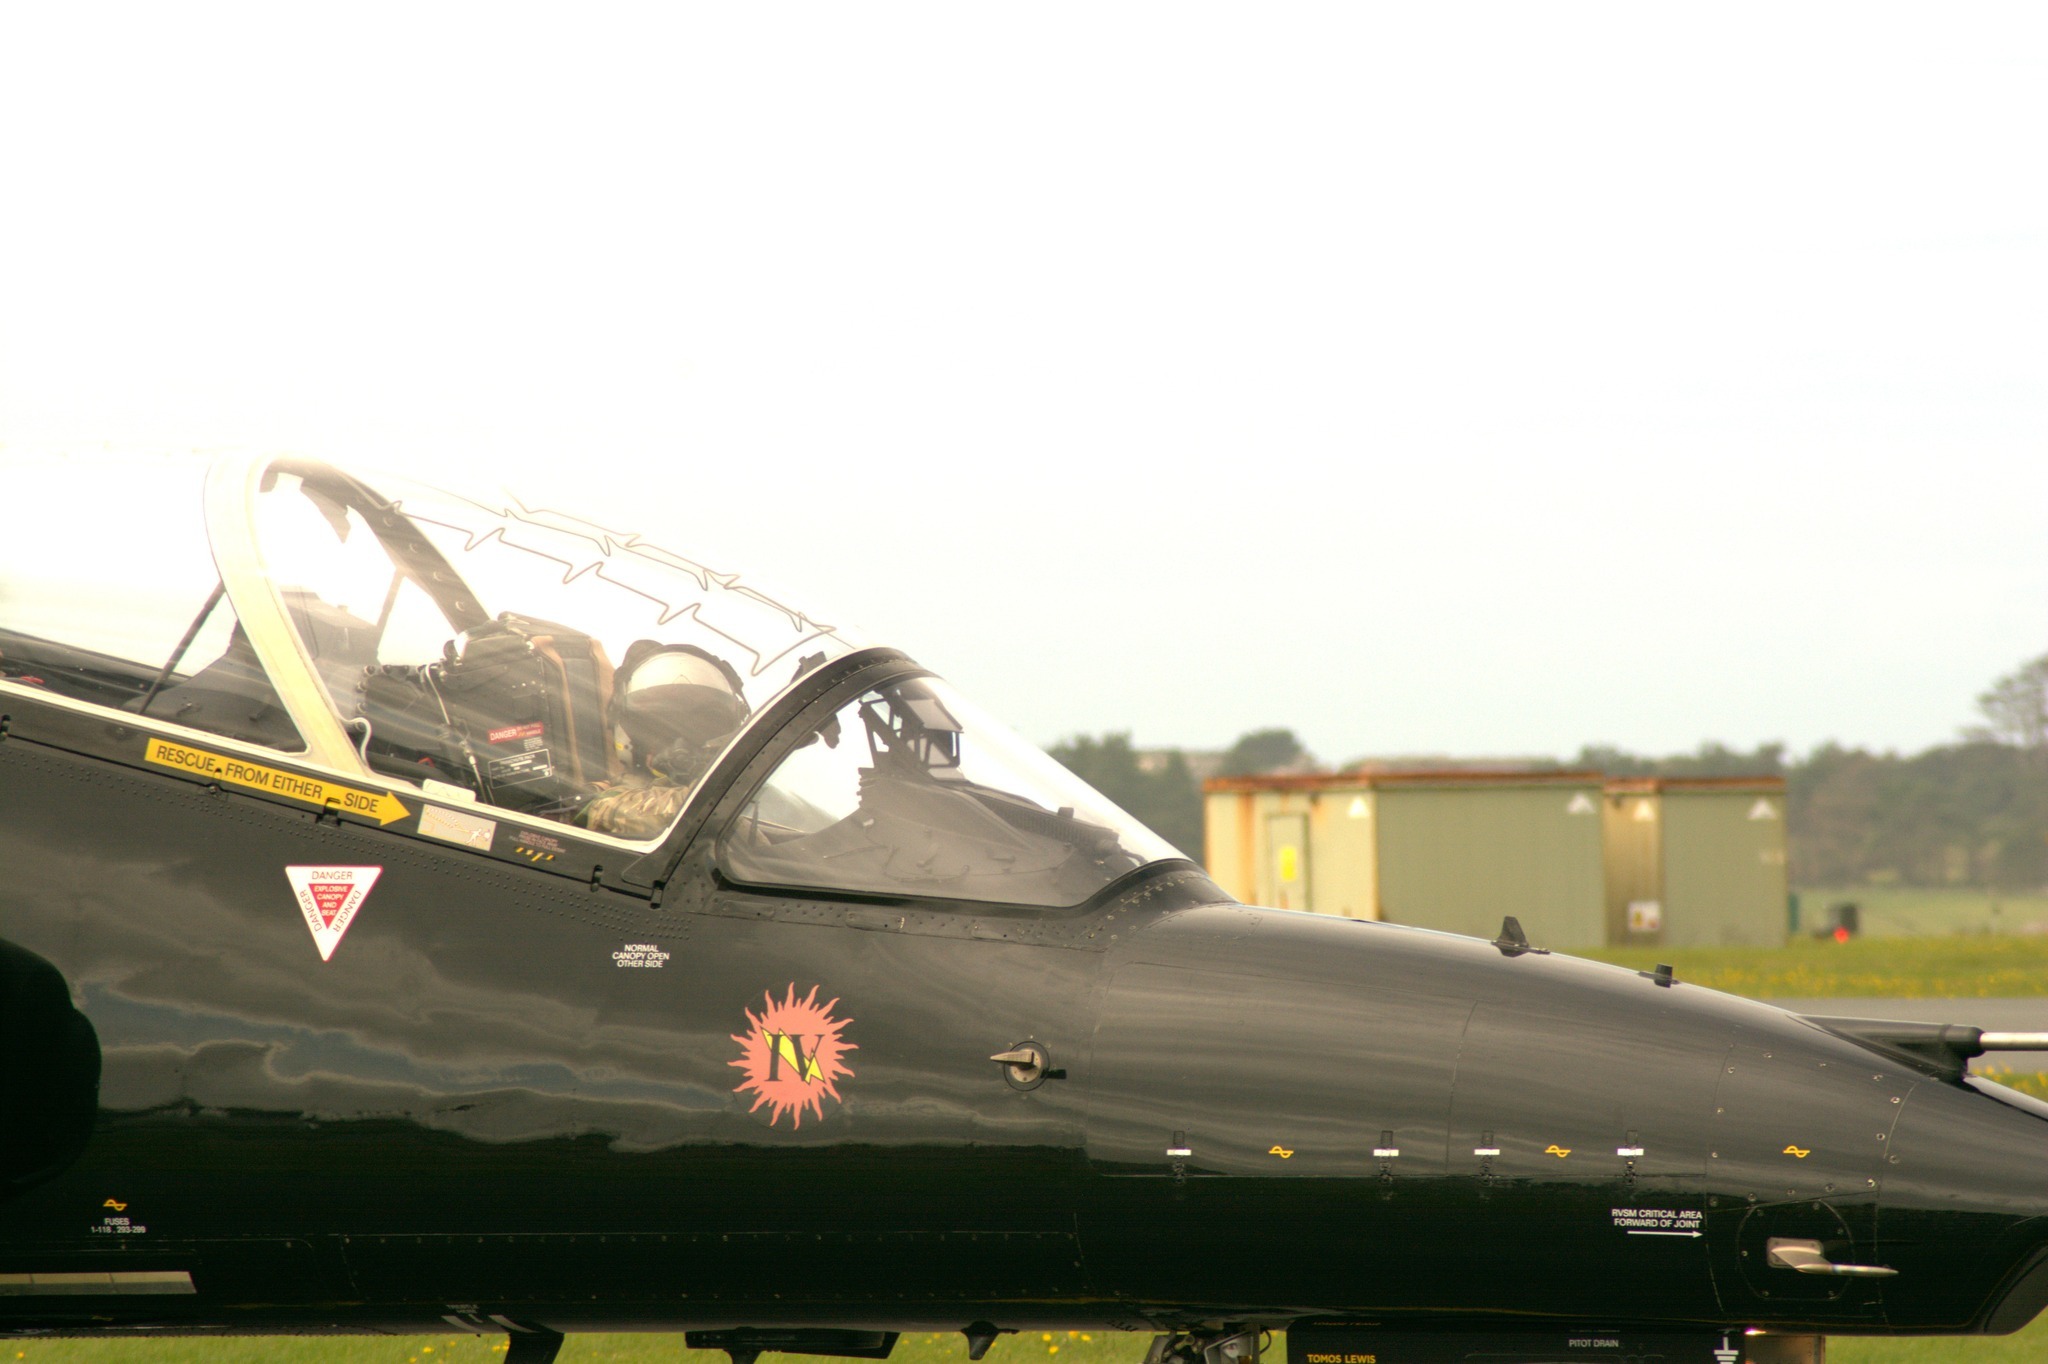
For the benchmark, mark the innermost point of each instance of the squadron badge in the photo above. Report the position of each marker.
(793, 1056)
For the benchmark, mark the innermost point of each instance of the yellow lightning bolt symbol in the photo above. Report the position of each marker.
(806, 1070)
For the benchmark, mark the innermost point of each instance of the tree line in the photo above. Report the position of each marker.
(1973, 813)
(1163, 788)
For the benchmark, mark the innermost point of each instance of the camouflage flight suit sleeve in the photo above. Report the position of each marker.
(637, 811)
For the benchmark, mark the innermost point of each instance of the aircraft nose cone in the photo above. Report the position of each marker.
(1964, 1212)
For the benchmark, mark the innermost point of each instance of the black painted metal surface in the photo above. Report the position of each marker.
(536, 1092)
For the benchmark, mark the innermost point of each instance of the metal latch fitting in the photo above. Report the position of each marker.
(1806, 1257)
(1027, 1065)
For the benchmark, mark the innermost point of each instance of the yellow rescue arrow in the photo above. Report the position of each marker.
(381, 806)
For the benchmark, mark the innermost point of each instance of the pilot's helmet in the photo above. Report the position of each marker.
(678, 705)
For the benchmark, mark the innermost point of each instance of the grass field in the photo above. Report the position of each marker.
(1956, 966)
(1059, 1347)
(1912, 912)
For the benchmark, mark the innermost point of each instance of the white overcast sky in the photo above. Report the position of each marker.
(1455, 379)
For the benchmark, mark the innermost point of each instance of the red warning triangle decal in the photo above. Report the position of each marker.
(330, 898)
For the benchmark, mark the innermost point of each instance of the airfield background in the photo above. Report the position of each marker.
(1581, 859)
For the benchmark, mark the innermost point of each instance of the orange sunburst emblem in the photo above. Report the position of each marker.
(794, 1057)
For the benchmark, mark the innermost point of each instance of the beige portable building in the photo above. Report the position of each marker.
(1581, 860)
(1455, 850)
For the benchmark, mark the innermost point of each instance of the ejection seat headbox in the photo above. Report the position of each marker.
(514, 711)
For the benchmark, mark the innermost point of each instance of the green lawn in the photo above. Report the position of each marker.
(1062, 1347)
(1913, 912)
(1960, 965)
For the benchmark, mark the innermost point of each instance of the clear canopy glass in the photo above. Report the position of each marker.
(912, 790)
(542, 662)
(498, 651)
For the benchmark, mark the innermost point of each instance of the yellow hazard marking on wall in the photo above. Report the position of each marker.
(1559, 1151)
(1799, 1152)
(1281, 1151)
(381, 806)
(1290, 862)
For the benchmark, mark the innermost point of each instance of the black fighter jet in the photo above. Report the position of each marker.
(419, 910)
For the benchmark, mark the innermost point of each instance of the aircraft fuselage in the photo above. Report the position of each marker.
(525, 1088)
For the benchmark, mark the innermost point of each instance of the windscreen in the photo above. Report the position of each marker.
(909, 789)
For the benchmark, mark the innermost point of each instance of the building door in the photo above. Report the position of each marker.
(1287, 860)
(1632, 835)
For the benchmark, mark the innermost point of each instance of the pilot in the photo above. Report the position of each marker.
(677, 706)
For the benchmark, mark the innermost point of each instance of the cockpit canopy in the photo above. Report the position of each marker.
(500, 653)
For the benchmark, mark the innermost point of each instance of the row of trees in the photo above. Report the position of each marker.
(1972, 813)
(1164, 788)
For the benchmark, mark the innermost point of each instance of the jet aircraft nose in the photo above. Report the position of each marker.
(1551, 1134)
(1964, 1213)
